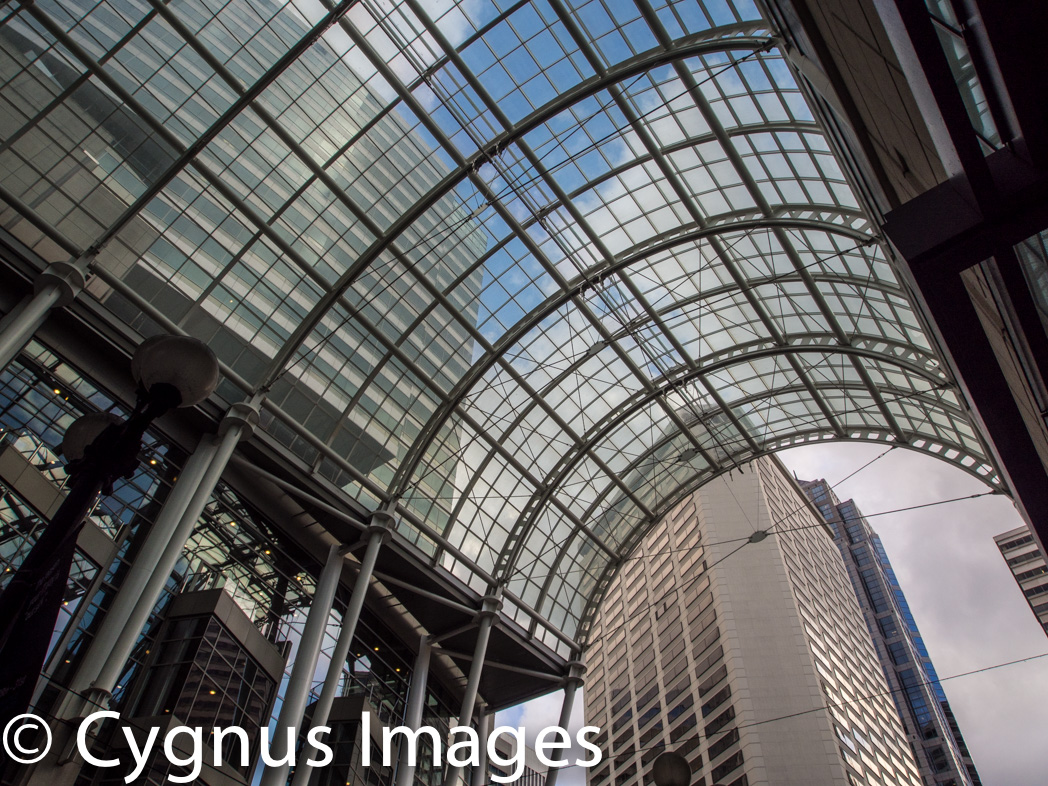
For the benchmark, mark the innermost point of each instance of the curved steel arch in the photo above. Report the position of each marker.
(763, 167)
(611, 567)
(572, 290)
(466, 166)
(588, 441)
(965, 461)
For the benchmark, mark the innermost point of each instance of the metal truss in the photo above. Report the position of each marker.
(554, 312)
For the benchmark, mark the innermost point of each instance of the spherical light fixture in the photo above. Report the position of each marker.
(144, 350)
(83, 431)
(176, 365)
(671, 769)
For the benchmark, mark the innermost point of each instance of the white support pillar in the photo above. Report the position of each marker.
(572, 682)
(382, 524)
(480, 772)
(238, 423)
(489, 610)
(413, 715)
(297, 693)
(56, 287)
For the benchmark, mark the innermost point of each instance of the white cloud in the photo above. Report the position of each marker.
(538, 714)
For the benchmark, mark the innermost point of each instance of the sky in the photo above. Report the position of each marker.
(969, 609)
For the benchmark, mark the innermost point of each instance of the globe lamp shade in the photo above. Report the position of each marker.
(83, 431)
(145, 350)
(185, 364)
(671, 769)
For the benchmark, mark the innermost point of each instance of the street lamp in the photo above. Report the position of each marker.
(171, 371)
(671, 769)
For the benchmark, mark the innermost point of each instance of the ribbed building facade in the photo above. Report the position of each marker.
(733, 637)
(934, 735)
(1027, 563)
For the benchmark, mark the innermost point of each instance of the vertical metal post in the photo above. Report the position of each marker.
(238, 423)
(297, 692)
(571, 685)
(480, 772)
(413, 715)
(379, 531)
(55, 287)
(100, 649)
(489, 610)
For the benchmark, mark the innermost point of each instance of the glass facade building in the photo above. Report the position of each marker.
(938, 745)
(225, 631)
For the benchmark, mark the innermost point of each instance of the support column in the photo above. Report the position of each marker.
(56, 287)
(413, 715)
(297, 693)
(238, 423)
(382, 524)
(571, 685)
(480, 772)
(101, 647)
(489, 610)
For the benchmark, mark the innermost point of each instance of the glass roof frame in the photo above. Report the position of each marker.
(781, 285)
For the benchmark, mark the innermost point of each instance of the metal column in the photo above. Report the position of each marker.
(485, 618)
(57, 286)
(297, 693)
(378, 533)
(413, 715)
(100, 649)
(238, 423)
(480, 772)
(571, 685)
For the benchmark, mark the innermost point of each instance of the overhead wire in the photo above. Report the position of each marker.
(900, 397)
(513, 185)
(820, 525)
(822, 707)
(771, 531)
(745, 541)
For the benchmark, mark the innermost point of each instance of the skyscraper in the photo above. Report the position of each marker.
(942, 755)
(1027, 563)
(732, 636)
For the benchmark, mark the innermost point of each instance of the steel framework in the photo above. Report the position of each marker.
(550, 265)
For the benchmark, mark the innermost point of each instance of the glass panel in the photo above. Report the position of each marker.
(1033, 256)
(958, 54)
(535, 271)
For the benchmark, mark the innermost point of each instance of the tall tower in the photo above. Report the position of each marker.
(942, 755)
(733, 637)
(1028, 565)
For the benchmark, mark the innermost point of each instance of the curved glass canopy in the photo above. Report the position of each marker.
(533, 270)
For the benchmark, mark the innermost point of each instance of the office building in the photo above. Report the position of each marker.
(732, 636)
(494, 288)
(1027, 563)
(942, 756)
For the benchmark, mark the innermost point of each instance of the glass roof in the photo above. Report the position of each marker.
(534, 270)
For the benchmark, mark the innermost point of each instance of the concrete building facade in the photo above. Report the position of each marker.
(732, 636)
(1027, 563)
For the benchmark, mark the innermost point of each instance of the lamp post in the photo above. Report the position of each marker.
(671, 769)
(171, 371)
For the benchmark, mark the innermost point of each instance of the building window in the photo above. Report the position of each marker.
(726, 767)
